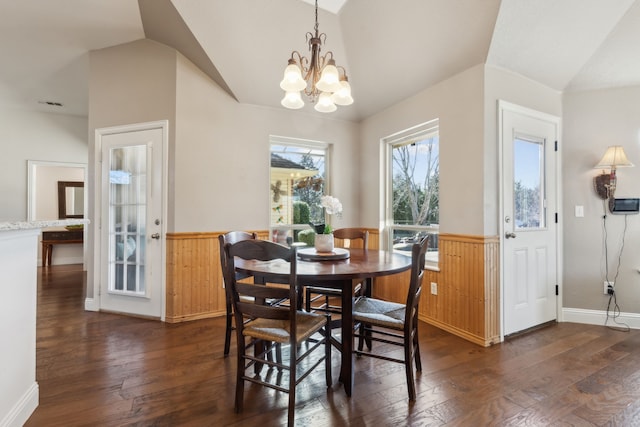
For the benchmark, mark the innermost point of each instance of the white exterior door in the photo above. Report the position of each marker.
(529, 218)
(132, 220)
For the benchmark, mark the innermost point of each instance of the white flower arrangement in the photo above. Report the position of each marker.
(332, 206)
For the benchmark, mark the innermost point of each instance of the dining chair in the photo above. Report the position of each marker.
(231, 237)
(314, 293)
(288, 326)
(394, 323)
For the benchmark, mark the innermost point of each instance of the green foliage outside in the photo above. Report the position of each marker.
(301, 212)
(307, 236)
(311, 195)
(301, 215)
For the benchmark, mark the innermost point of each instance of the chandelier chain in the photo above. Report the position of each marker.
(316, 26)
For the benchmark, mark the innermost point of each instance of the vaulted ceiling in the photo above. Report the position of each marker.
(390, 49)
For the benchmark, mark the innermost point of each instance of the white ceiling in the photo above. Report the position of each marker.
(391, 49)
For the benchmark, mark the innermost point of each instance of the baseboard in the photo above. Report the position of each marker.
(195, 316)
(599, 317)
(461, 333)
(22, 410)
(91, 304)
(63, 261)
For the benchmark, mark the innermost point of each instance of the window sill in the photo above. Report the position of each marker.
(431, 266)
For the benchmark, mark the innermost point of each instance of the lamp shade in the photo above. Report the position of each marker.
(325, 104)
(613, 158)
(330, 78)
(292, 81)
(343, 96)
(292, 100)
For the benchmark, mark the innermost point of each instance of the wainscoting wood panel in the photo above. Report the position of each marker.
(468, 299)
(194, 278)
(195, 288)
(467, 303)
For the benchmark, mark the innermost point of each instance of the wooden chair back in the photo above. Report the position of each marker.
(223, 239)
(418, 251)
(261, 250)
(347, 236)
(233, 237)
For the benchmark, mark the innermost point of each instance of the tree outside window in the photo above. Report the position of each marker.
(297, 181)
(528, 188)
(414, 169)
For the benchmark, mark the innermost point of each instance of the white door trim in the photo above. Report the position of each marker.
(504, 106)
(97, 203)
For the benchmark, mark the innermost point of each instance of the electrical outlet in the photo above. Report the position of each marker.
(608, 288)
(434, 288)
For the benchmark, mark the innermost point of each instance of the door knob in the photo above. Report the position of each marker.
(157, 236)
(510, 235)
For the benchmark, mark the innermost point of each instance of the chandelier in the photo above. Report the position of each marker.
(322, 81)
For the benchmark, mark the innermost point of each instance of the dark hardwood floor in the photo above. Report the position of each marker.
(97, 369)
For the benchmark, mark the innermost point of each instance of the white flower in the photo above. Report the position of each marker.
(331, 204)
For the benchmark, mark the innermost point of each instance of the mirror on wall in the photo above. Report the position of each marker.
(70, 199)
(44, 198)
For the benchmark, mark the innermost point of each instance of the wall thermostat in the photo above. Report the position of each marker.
(625, 206)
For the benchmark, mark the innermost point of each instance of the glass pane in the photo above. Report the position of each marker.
(528, 184)
(416, 182)
(297, 181)
(403, 240)
(127, 219)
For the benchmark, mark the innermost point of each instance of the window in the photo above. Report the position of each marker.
(298, 178)
(528, 183)
(412, 201)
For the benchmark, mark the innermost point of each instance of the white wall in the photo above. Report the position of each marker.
(28, 135)
(505, 85)
(594, 120)
(458, 103)
(218, 149)
(129, 83)
(19, 392)
(222, 157)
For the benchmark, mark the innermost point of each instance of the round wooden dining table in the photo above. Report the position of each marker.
(337, 274)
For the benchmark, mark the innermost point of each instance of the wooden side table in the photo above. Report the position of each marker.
(58, 237)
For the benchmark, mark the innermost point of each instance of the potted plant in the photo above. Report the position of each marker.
(324, 236)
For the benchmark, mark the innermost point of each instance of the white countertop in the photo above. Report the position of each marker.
(29, 225)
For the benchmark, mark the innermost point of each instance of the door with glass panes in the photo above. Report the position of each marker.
(131, 218)
(530, 209)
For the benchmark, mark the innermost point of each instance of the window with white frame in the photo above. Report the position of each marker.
(298, 178)
(412, 196)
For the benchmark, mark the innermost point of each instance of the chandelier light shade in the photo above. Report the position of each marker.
(325, 103)
(322, 81)
(292, 100)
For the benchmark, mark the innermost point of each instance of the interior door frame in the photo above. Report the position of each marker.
(503, 107)
(97, 205)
